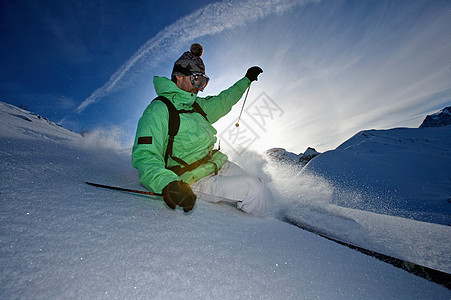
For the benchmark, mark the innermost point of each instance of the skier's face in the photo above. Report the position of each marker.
(184, 83)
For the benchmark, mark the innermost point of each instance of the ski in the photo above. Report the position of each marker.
(433, 275)
(123, 189)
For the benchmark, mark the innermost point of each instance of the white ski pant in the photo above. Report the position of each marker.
(232, 184)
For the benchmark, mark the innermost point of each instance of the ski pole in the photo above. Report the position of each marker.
(245, 98)
(122, 189)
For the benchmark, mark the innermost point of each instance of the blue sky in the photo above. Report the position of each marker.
(331, 68)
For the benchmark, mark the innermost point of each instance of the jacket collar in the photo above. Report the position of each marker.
(167, 88)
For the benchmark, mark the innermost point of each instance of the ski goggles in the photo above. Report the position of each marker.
(199, 80)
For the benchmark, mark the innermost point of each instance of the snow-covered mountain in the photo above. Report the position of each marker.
(60, 238)
(283, 155)
(301, 159)
(402, 172)
(439, 119)
(308, 155)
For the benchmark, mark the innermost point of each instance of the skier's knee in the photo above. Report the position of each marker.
(259, 200)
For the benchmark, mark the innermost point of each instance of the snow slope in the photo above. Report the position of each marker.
(402, 172)
(60, 238)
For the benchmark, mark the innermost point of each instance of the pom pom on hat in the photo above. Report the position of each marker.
(190, 62)
(197, 49)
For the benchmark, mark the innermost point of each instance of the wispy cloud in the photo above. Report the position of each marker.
(334, 76)
(208, 20)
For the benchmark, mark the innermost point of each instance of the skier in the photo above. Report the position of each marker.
(183, 165)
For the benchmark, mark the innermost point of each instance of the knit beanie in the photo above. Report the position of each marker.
(190, 62)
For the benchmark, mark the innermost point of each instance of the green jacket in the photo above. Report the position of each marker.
(195, 139)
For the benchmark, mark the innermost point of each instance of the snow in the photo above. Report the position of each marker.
(60, 238)
(409, 168)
